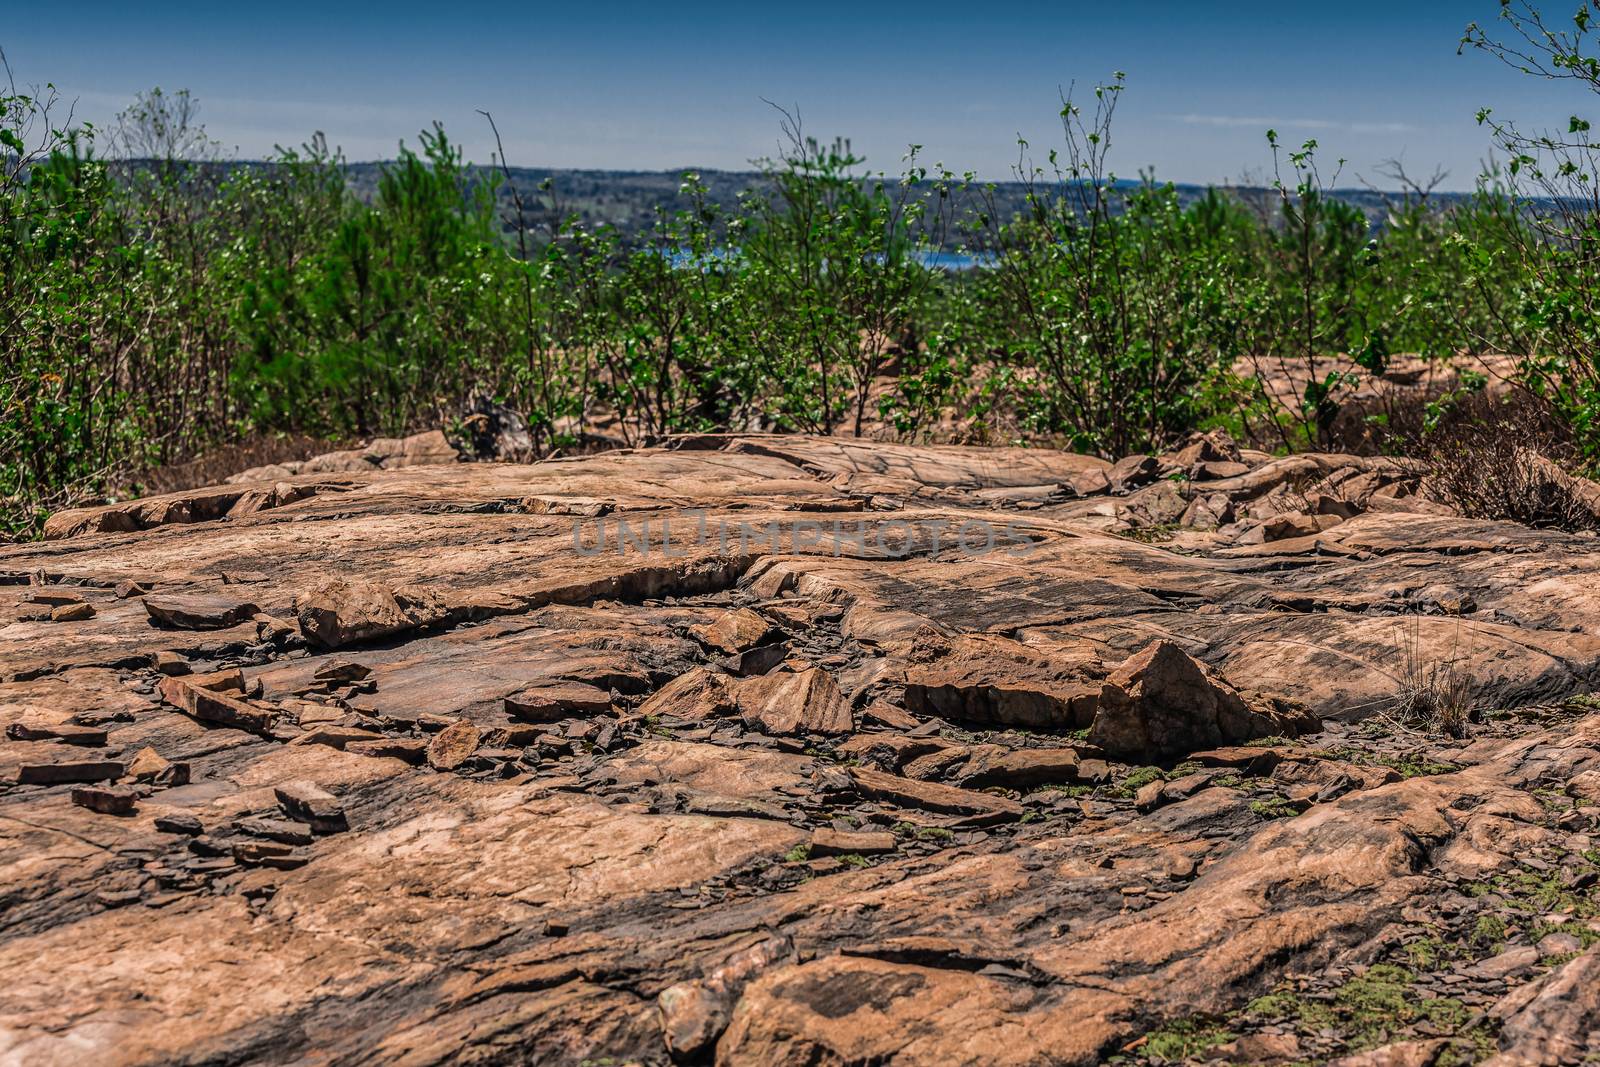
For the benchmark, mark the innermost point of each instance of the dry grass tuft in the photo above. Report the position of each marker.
(1432, 695)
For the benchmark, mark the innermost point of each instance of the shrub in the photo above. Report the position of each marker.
(1550, 220)
(159, 302)
(1503, 458)
(1111, 302)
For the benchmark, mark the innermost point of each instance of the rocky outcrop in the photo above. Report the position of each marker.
(383, 453)
(340, 611)
(775, 750)
(1161, 703)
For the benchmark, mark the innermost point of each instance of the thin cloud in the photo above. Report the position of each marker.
(1263, 122)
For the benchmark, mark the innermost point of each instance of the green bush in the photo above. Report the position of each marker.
(157, 301)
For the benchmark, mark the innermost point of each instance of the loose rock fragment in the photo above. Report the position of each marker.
(179, 823)
(341, 670)
(69, 771)
(197, 611)
(1284, 527)
(412, 750)
(826, 842)
(931, 796)
(736, 631)
(451, 746)
(757, 661)
(72, 613)
(1161, 702)
(807, 702)
(1250, 759)
(1150, 795)
(270, 854)
(87, 736)
(983, 678)
(693, 696)
(151, 767)
(227, 680)
(335, 736)
(216, 707)
(310, 803)
(281, 830)
(548, 703)
(340, 611)
(170, 663)
(517, 736)
(886, 714)
(106, 799)
(892, 751)
(1130, 472)
(1023, 768)
(53, 597)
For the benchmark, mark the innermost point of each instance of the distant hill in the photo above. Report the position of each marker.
(628, 199)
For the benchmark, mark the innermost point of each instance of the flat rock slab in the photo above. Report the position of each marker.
(198, 611)
(771, 749)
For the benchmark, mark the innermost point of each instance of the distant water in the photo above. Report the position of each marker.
(933, 260)
(954, 260)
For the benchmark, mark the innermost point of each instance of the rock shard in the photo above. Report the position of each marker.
(1161, 702)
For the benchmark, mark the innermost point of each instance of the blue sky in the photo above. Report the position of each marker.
(657, 86)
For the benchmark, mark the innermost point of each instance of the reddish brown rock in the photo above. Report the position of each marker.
(737, 631)
(806, 702)
(693, 696)
(452, 746)
(312, 804)
(338, 611)
(412, 750)
(550, 703)
(283, 831)
(151, 768)
(274, 854)
(170, 663)
(695, 1013)
(1130, 472)
(883, 713)
(197, 611)
(829, 842)
(626, 884)
(1161, 702)
(67, 733)
(931, 796)
(67, 770)
(995, 680)
(1555, 1019)
(52, 597)
(106, 799)
(1023, 768)
(335, 735)
(1422, 1053)
(335, 671)
(1284, 527)
(214, 706)
(891, 751)
(76, 523)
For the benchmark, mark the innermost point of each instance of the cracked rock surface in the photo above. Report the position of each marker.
(783, 750)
